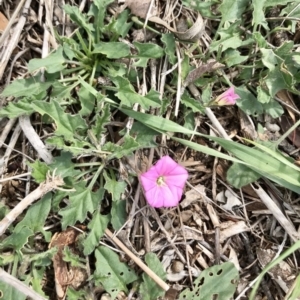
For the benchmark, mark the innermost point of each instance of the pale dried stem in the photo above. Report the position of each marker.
(10, 148)
(34, 139)
(13, 40)
(138, 261)
(20, 286)
(277, 213)
(11, 22)
(9, 125)
(50, 184)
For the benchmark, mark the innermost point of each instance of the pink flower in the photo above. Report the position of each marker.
(164, 182)
(229, 97)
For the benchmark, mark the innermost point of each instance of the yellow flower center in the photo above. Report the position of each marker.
(160, 181)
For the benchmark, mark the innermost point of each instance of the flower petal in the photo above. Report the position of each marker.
(162, 196)
(165, 165)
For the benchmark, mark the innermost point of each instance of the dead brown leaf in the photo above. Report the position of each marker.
(3, 22)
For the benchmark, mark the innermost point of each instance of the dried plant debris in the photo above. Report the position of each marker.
(96, 93)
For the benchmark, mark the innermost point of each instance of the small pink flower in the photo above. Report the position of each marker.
(163, 183)
(229, 97)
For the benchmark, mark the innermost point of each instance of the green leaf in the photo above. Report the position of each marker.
(64, 166)
(205, 8)
(76, 147)
(66, 124)
(79, 18)
(39, 171)
(97, 226)
(111, 272)
(129, 97)
(270, 59)
(81, 202)
(232, 10)
(279, 79)
(296, 289)
(53, 63)
(247, 102)
(145, 52)
(37, 280)
(119, 26)
(17, 239)
(43, 259)
(118, 214)
(26, 88)
(240, 175)
(143, 135)
(277, 2)
(149, 290)
(205, 287)
(190, 102)
(258, 14)
(125, 149)
(262, 95)
(87, 101)
(77, 295)
(8, 292)
(36, 215)
(261, 162)
(17, 109)
(74, 259)
(115, 188)
(229, 38)
(112, 49)
(233, 57)
(273, 108)
(101, 121)
(169, 41)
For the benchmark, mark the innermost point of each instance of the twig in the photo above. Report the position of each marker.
(34, 139)
(146, 269)
(10, 148)
(13, 41)
(11, 21)
(277, 213)
(20, 286)
(50, 184)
